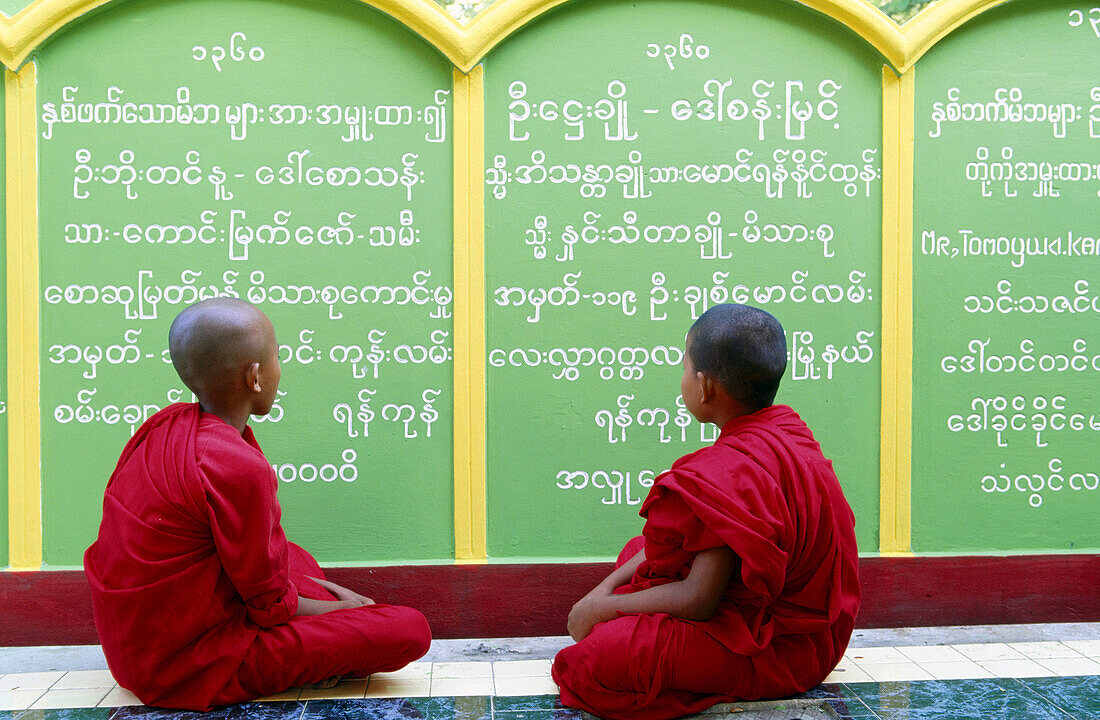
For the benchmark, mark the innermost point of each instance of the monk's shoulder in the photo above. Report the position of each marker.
(724, 458)
(693, 460)
(793, 429)
(223, 454)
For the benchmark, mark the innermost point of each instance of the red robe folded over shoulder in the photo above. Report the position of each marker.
(191, 559)
(764, 490)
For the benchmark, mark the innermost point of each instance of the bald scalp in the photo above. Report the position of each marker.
(744, 349)
(213, 341)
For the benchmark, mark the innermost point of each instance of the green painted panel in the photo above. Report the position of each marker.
(1007, 284)
(297, 154)
(645, 160)
(11, 7)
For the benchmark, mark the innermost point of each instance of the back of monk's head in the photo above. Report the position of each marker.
(744, 349)
(213, 341)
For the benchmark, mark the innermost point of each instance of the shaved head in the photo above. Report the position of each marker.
(743, 348)
(212, 341)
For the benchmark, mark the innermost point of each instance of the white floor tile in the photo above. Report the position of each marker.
(412, 671)
(1070, 667)
(30, 681)
(897, 671)
(443, 687)
(522, 668)
(1088, 648)
(1017, 668)
(121, 697)
(876, 655)
(462, 670)
(1042, 650)
(72, 698)
(922, 654)
(18, 699)
(532, 685)
(989, 651)
(382, 686)
(343, 690)
(76, 679)
(849, 673)
(961, 670)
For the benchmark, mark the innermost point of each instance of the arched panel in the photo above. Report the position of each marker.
(203, 153)
(34, 25)
(644, 161)
(1006, 306)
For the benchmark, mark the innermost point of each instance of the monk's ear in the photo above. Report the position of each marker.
(252, 377)
(707, 385)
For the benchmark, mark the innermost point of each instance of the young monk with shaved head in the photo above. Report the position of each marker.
(198, 597)
(744, 582)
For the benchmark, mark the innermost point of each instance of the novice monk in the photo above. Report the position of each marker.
(198, 597)
(744, 582)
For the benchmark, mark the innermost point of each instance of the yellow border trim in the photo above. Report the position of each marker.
(937, 21)
(24, 471)
(502, 18)
(21, 34)
(469, 316)
(466, 46)
(895, 447)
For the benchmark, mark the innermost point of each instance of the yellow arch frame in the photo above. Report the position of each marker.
(464, 47)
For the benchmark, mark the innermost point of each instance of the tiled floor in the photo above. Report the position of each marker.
(1010, 680)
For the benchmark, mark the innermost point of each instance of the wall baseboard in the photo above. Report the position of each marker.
(54, 607)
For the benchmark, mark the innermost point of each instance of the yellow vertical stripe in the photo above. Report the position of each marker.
(24, 470)
(469, 316)
(895, 499)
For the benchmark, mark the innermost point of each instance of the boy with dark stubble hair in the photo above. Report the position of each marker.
(199, 600)
(744, 583)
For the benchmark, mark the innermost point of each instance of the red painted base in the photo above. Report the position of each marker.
(53, 607)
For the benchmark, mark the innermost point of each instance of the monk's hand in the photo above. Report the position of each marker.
(347, 598)
(590, 610)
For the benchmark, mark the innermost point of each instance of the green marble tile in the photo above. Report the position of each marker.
(243, 711)
(61, 714)
(1079, 696)
(440, 708)
(796, 708)
(956, 700)
(556, 714)
(841, 699)
(524, 703)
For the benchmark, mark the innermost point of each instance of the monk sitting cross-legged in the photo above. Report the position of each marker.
(744, 582)
(198, 597)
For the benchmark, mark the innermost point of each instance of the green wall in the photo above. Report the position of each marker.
(1007, 285)
(591, 286)
(295, 172)
(643, 160)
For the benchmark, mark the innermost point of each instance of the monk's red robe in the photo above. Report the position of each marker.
(194, 585)
(765, 491)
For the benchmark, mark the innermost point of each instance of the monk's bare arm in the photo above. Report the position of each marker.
(695, 597)
(309, 606)
(619, 576)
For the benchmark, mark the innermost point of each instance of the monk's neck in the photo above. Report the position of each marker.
(234, 416)
(732, 411)
(724, 419)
